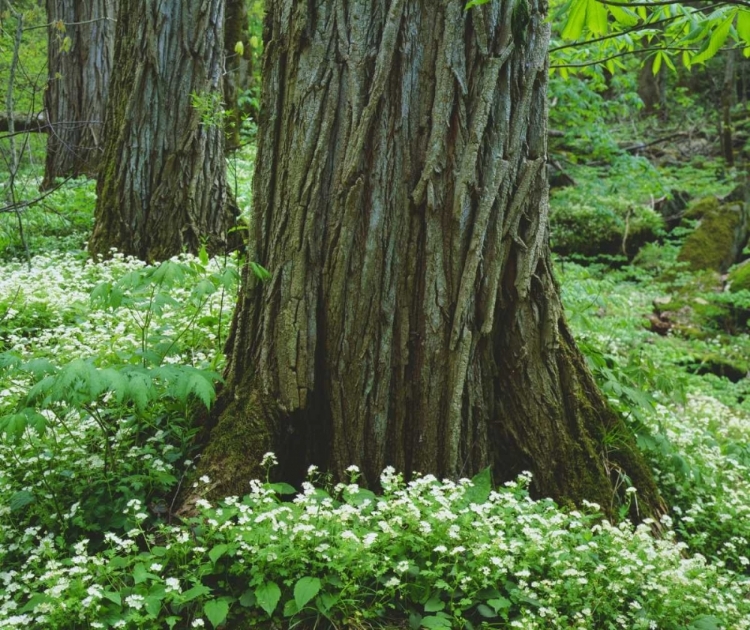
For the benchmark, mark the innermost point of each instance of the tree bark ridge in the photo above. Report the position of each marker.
(401, 204)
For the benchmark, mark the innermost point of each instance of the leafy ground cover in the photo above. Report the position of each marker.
(103, 363)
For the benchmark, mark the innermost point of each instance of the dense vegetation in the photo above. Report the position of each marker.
(105, 366)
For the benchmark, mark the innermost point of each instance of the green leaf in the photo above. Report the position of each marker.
(706, 622)
(479, 490)
(260, 272)
(282, 488)
(140, 574)
(436, 622)
(499, 603)
(290, 608)
(248, 599)
(656, 66)
(194, 593)
(153, 604)
(268, 596)
(203, 255)
(305, 589)
(326, 601)
(743, 25)
(576, 19)
(623, 15)
(715, 42)
(434, 604)
(475, 3)
(486, 611)
(217, 552)
(596, 18)
(360, 496)
(216, 610)
(13, 425)
(20, 499)
(113, 597)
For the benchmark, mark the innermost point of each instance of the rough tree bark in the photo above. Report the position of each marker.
(79, 50)
(412, 318)
(162, 187)
(236, 25)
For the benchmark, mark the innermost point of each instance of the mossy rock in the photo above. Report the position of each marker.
(719, 238)
(713, 363)
(702, 207)
(596, 230)
(739, 277)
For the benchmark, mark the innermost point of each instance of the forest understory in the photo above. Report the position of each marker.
(105, 365)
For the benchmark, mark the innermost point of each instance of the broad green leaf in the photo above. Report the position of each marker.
(194, 593)
(13, 425)
(715, 42)
(305, 589)
(499, 603)
(290, 608)
(153, 604)
(113, 597)
(434, 604)
(216, 610)
(706, 622)
(596, 18)
(140, 574)
(360, 496)
(486, 611)
(217, 552)
(743, 25)
(326, 601)
(282, 489)
(268, 596)
(20, 499)
(259, 271)
(656, 66)
(248, 599)
(623, 15)
(434, 621)
(576, 19)
(479, 490)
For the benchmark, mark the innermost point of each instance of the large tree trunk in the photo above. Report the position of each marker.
(236, 25)
(412, 318)
(162, 187)
(80, 47)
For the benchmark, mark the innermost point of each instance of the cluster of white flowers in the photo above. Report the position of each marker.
(553, 568)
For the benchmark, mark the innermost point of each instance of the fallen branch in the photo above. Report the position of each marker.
(21, 123)
(643, 145)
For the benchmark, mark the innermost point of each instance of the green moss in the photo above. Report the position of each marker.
(739, 278)
(245, 431)
(702, 207)
(713, 243)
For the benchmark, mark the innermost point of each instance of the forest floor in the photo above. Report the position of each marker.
(101, 364)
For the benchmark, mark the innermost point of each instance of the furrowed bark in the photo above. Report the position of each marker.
(80, 47)
(162, 189)
(401, 204)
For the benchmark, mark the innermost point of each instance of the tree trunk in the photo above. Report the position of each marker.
(162, 187)
(652, 88)
(235, 31)
(412, 318)
(79, 49)
(728, 90)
